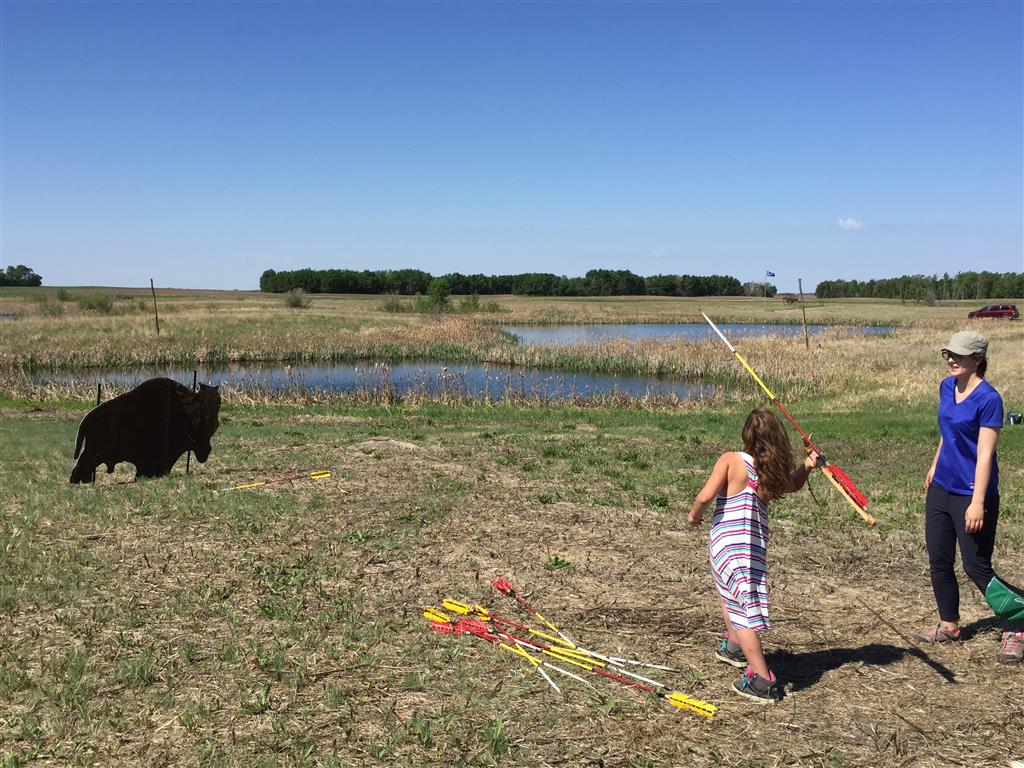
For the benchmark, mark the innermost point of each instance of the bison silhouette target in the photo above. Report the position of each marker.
(151, 427)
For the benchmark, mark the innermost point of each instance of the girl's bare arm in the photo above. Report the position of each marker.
(716, 484)
(800, 474)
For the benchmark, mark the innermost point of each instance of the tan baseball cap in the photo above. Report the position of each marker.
(967, 343)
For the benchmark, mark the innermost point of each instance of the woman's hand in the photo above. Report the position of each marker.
(931, 470)
(974, 518)
(696, 516)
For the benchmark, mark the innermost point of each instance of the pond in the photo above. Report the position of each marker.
(427, 379)
(434, 379)
(550, 335)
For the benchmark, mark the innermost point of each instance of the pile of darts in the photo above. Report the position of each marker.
(549, 650)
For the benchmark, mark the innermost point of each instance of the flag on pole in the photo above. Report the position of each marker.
(770, 274)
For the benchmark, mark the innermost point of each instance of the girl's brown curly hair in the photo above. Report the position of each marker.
(765, 439)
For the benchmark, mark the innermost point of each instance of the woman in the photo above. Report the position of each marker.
(962, 503)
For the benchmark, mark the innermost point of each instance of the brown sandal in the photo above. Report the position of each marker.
(939, 634)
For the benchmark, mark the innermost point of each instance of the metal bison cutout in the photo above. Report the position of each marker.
(151, 427)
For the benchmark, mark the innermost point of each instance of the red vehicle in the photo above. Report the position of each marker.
(996, 310)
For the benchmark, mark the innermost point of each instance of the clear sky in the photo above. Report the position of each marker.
(199, 143)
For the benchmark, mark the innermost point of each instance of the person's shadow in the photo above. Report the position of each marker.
(802, 670)
(976, 627)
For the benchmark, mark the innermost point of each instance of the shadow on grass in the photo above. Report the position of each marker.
(976, 627)
(802, 670)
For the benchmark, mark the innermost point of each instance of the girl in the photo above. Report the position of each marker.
(741, 485)
(962, 502)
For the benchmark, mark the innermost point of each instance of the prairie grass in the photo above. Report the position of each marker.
(427, 304)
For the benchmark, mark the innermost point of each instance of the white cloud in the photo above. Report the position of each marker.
(850, 223)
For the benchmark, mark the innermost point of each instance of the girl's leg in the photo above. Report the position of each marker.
(940, 536)
(730, 632)
(751, 645)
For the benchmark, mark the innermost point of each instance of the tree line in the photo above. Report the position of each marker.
(20, 275)
(963, 285)
(597, 282)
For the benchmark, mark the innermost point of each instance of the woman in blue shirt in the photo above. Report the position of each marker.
(962, 504)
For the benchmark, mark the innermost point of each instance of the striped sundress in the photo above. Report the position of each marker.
(738, 544)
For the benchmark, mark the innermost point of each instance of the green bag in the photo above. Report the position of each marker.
(1006, 601)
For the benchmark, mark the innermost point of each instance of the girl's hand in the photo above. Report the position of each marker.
(974, 518)
(696, 516)
(928, 477)
(811, 461)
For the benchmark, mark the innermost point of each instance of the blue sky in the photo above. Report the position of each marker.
(201, 143)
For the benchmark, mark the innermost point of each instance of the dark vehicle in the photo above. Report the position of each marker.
(996, 310)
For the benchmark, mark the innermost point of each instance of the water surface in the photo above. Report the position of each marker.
(423, 378)
(552, 335)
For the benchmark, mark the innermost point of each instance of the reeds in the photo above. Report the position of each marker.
(842, 363)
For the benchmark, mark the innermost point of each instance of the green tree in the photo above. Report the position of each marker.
(439, 292)
(20, 275)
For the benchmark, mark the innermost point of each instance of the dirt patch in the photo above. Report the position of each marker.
(38, 412)
(385, 444)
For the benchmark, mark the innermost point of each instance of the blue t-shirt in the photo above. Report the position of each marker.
(959, 424)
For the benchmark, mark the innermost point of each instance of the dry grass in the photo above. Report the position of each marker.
(166, 623)
(649, 309)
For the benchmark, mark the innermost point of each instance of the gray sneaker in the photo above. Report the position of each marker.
(1011, 650)
(756, 688)
(731, 654)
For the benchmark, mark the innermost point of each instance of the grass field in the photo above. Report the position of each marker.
(170, 622)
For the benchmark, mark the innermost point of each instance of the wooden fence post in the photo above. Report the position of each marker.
(156, 317)
(188, 457)
(800, 288)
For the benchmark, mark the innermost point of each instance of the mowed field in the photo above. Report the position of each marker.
(172, 622)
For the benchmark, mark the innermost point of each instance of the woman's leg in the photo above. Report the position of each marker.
(976, 548)
(940, 535)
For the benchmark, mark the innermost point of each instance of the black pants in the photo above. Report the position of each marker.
(943, 528)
